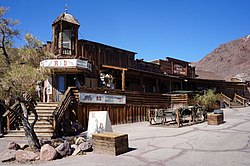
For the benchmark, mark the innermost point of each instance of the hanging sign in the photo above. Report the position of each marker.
(65, 63)
(101, 98)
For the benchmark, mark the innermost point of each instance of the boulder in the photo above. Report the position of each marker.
(26, 156)
(64, 149)
(13, 145)
(76, 150)
(23, 146)
(56, 142)
(44, 141)
(82, 148)
(70, 139)
(8, 155)
(48, 153)
(80, 140)
(85, 147)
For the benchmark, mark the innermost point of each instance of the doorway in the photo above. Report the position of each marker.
(63, 81)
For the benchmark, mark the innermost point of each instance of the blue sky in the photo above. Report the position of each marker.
(155, 29)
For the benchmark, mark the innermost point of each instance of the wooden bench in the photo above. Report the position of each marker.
(110, 143)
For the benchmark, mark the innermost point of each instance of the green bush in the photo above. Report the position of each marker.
(208, 99)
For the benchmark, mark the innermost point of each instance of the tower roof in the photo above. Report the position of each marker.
(66, 17)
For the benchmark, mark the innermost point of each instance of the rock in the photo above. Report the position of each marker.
(83, 134)
(23, 146)
(13, 145)
(74, 146)
(64, 149)
(69, 139)
(76, 149)
(8, 155)
(82, 148)
(44, 141)
(85, 147)
(80, 140)
(56, 142)
(26, 156)
(48, 153)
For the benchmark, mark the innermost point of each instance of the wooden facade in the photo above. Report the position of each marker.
(135, 109)
(117, 71)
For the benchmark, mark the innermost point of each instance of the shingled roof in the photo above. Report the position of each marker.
(208, 75)
(66, 17)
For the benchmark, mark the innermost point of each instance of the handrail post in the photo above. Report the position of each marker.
(8, 122)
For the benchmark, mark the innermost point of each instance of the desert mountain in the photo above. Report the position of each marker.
(228, 60)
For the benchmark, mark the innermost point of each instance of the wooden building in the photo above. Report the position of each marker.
(94, 70)
(91, 64)
(80, 62)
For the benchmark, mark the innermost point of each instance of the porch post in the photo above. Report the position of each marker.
(123, 79)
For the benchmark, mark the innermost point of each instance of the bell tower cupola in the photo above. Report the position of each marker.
(65, 35)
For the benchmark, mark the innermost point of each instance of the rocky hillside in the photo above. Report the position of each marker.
(229, 60)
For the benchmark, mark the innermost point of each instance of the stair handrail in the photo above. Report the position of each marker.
(13, 111)
(62, 107)
(240, 99)
(226, 99)
(11, 115)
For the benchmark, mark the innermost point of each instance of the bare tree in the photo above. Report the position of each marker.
(7, 32)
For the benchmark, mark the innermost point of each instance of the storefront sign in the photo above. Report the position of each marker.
(65, 63)
(101, 98)
(180, 69)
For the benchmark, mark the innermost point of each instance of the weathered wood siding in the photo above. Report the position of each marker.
(135, 109)
(118, 114)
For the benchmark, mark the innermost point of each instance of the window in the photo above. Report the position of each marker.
(66, 43)
(67, 39)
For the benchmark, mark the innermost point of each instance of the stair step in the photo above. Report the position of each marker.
(42, 115)
(45, 108)
(236, 105)
(43, 122)
(51, 103)
(39, 135)
(43, 126)
(36, 130)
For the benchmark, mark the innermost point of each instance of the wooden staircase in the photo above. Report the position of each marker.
(236, 105)
(236, 101)
(44, 124)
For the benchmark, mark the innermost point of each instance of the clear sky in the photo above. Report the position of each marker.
(155, 29)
